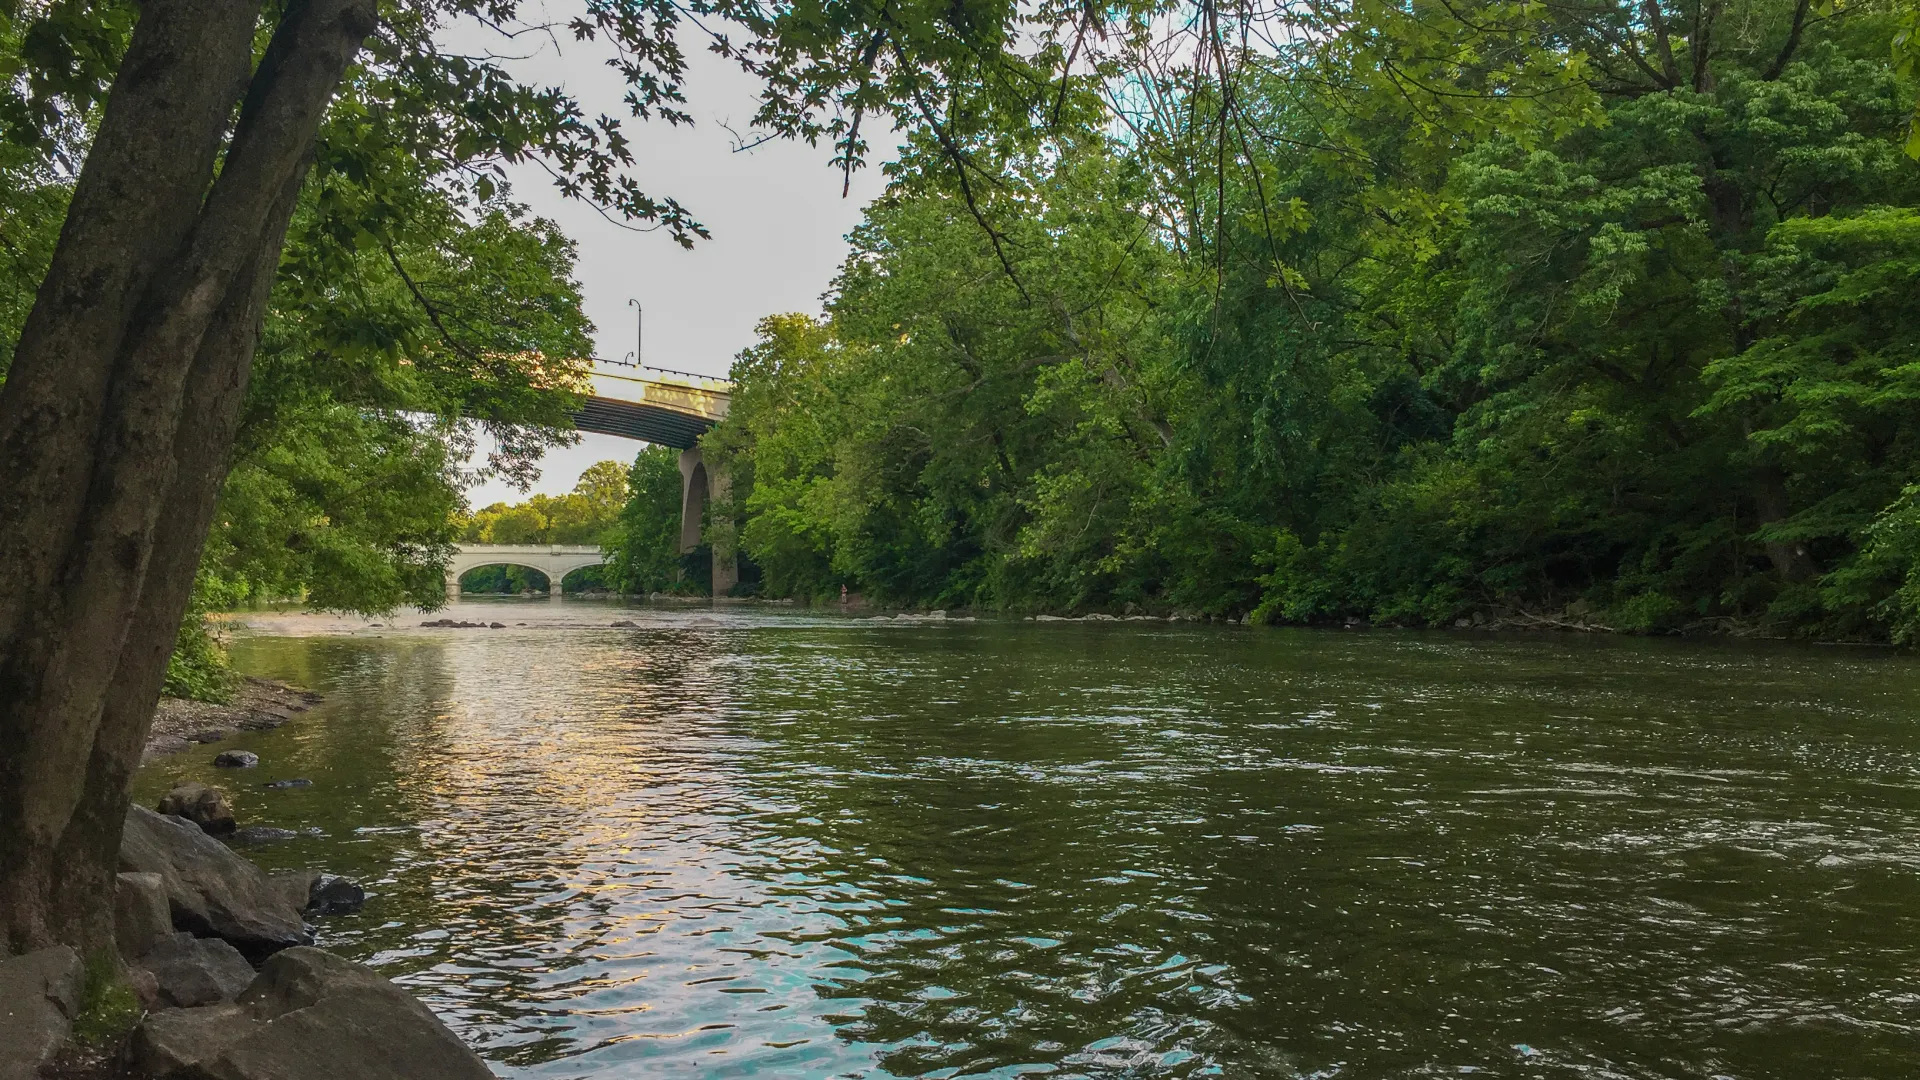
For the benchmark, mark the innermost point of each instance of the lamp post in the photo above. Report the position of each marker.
(639, 333)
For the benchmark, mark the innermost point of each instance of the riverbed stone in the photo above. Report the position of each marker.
(236, 759)
(205, 806)
(39, 995)
(263, 834)
(163, 745)
(265, 718)
(171, 1043)
(332, 894)
(318, 1016)
(193, 971)
(211, 891)
(140, 913)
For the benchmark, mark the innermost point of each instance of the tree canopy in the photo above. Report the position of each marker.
(586, 515)
(1590, 314)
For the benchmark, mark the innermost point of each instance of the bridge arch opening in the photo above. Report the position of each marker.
(586, 579)
(505, 579)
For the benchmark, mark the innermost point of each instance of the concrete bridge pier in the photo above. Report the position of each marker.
(700, 486)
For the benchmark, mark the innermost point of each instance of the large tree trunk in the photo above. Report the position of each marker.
(116, 410)
(1790, 558)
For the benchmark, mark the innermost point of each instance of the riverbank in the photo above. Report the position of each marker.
(215, 976)
(258, 705)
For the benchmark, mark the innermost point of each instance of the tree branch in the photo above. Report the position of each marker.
(1792, 45)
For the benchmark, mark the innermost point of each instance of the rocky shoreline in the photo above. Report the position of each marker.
(257, 705)
(216, 977)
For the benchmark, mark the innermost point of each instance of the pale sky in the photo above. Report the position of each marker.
(776, 215)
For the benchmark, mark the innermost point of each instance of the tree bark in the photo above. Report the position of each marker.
(135, 200)
(215, 393)
(83, 650)
(1789, 558)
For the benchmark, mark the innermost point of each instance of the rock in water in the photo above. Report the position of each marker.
(236, 759)
(193, 971)
(204, 806)
(39, 995)
(334, 895)
(281, 785)
(309, 1016)
(211, 892)
(263, 834)
(140, 914)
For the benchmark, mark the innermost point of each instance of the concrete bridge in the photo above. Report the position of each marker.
(667, 408)
(554, 560)
(654, 405)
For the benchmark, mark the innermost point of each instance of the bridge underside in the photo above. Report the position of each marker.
(648, 423)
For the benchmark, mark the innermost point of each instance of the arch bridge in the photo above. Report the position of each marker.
(653, 405)
(554, 560)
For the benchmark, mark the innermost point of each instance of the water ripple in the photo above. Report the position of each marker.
(739, 843)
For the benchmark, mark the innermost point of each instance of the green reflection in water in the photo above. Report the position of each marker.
(736, 843)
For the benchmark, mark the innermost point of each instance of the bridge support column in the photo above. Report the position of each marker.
(453, 588)
(693, 497)
(726, 565)
(699, 487)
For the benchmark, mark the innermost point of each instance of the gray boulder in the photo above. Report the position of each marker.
(309, 1016)
(204, 806)
(140, 913)
(39, 995)
(211, 892)
(171, 1043)
(295, 886)
(236, 759)
(320, 894)
(191, 971)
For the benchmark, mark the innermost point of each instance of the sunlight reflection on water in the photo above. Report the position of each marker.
(745, 842)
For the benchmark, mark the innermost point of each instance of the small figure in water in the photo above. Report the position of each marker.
(843, 594)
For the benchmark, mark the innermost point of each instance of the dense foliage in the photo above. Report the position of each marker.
(585, 515)
(375, 373)
(1594, 313)
(643, 550)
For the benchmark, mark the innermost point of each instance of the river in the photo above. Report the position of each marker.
(752, 841)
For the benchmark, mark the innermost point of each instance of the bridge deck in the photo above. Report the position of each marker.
(665, 408)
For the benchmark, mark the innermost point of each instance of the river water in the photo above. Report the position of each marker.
(755, 842)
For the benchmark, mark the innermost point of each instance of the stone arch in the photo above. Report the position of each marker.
(521, 563)
(695, 490)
